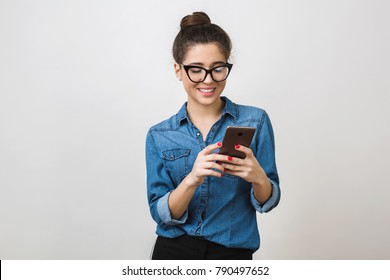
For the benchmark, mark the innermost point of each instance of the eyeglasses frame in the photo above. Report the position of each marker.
(208, 71)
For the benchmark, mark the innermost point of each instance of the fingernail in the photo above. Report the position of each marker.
(222, 174)
(237, 147)
(230, 158)
(219, 144)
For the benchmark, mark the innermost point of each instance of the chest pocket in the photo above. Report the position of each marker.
(177, 163)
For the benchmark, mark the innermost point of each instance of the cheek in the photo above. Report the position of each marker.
(189, 86)
(221, 86)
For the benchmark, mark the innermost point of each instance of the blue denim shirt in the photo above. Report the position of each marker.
(222, 210)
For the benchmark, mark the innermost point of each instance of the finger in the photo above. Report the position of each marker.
(231, 167)
(233, 173)
(230, 160)
(229, 172)
(247, 151)
(213, 165)
(211, 172)
(217, 174)
(208, 149)
(216, 157)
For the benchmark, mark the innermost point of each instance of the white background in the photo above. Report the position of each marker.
(82, 81)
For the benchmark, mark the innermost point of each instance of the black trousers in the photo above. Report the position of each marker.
(191, 248)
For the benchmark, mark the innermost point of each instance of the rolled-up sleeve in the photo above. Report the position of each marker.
(272, 201)
(159, 185)
(165, 214)
(265, 155)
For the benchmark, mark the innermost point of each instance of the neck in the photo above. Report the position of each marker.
(204, 113)
(204, 116)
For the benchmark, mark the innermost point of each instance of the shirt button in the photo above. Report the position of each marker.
(197, 134)
(200, 223)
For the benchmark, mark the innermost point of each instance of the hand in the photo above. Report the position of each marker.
(205, 164)
(248, 168)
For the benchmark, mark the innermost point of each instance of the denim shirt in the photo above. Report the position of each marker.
(222, 210)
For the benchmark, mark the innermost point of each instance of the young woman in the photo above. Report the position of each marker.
(205, 203)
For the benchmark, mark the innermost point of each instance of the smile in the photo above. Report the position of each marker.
(206, 90)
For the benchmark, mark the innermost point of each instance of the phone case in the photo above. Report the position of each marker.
(241, 135)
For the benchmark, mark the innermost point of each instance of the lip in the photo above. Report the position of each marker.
(206, 92)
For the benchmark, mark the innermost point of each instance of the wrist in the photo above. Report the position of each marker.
(261, 181)
(190, 182)
(261, 178)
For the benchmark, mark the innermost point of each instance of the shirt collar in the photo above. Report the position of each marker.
(230, 109)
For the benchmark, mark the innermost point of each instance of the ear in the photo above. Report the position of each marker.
(178, 71)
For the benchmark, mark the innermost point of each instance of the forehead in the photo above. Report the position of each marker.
(206, 54)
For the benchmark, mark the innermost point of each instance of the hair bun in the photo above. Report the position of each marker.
(196, 18)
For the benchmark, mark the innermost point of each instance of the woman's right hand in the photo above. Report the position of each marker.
(206, 165)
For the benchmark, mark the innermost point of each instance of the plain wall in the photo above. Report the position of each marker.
(82, 81)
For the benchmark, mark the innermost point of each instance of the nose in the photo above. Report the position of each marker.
(208, 79)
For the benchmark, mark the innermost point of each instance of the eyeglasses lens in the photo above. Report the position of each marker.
(217, 74)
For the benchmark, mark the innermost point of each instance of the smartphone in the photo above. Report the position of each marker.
(236, 135)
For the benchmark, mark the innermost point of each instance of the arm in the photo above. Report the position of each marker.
(159, 184)
(203, 166)
(259, 169)
(250, 170)
(262, 189)
(169, 204)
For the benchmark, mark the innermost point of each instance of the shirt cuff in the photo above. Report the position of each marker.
(165, 214)
(270, 203)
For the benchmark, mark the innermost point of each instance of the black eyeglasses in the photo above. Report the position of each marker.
(198, 74)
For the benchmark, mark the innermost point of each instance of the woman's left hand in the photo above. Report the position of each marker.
(248, 168)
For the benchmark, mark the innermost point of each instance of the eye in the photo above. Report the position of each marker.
(195, 70)
(219, 69)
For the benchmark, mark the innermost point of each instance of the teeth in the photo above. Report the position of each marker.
(206, 90)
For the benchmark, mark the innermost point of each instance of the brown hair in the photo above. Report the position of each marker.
(198, 29)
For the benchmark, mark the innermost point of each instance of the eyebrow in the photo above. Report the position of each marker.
(202, 64)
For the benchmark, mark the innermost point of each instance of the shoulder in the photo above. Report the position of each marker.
(160, 131)
(248, 109)
(249, 113)
(165, 125)
(170, 124)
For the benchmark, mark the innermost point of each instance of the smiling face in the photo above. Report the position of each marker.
(206, 93)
